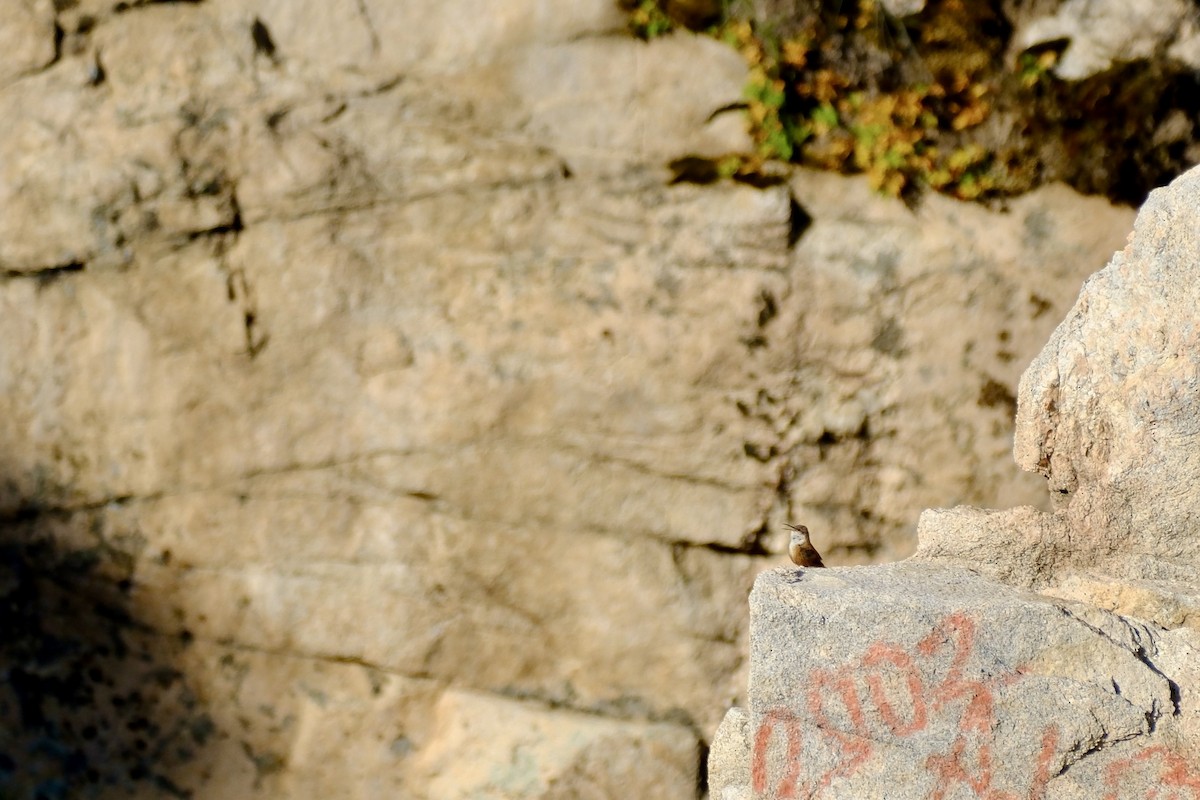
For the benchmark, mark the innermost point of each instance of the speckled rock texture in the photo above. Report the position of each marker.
(1019, 653)
(371, 392)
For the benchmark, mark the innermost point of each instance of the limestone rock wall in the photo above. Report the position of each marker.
(381, 422)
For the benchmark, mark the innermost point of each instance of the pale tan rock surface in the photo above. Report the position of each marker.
(484, 747)
(729, 768)
(364, 370)
(27, 38)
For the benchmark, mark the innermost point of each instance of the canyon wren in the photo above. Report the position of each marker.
(801, 550)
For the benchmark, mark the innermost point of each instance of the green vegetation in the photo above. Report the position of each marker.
(804, 106)
(935, 102)
(647, 20)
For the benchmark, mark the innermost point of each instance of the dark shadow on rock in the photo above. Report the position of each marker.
(91, 701)
(799, 221)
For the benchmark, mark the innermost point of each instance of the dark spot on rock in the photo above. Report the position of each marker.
(768, 309)
(206, 187)
(694, 169)
(994, 394)
(263, 43)
(1040, 305)
(96, 75)
(276, 117)
(59, 36)
(759, 452)
(799, 221)
(889, 338)
(202, 729)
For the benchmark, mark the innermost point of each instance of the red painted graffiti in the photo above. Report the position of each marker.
(877, 657)
(893, 693)
(1165, 775)
(791, 735)
(886, 693)
(1041, 772)
(853, 748)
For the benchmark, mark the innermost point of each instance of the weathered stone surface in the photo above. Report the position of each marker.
(1103, 33)
(492, 748)
(920, 681)
(26, 38)
(1110, 409)
(728, 757)
(567, 89)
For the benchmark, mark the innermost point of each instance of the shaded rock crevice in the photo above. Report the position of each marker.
(44, 275)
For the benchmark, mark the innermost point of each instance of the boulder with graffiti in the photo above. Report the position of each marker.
(1019, 654)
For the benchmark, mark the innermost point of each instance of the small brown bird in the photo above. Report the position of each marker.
(801, 549)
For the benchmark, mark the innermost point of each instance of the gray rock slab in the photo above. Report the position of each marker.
(913, 680)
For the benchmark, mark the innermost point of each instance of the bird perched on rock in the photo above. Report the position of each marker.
(801, 549)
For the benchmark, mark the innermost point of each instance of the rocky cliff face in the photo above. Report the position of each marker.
(381, 421)
(1019, 653)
